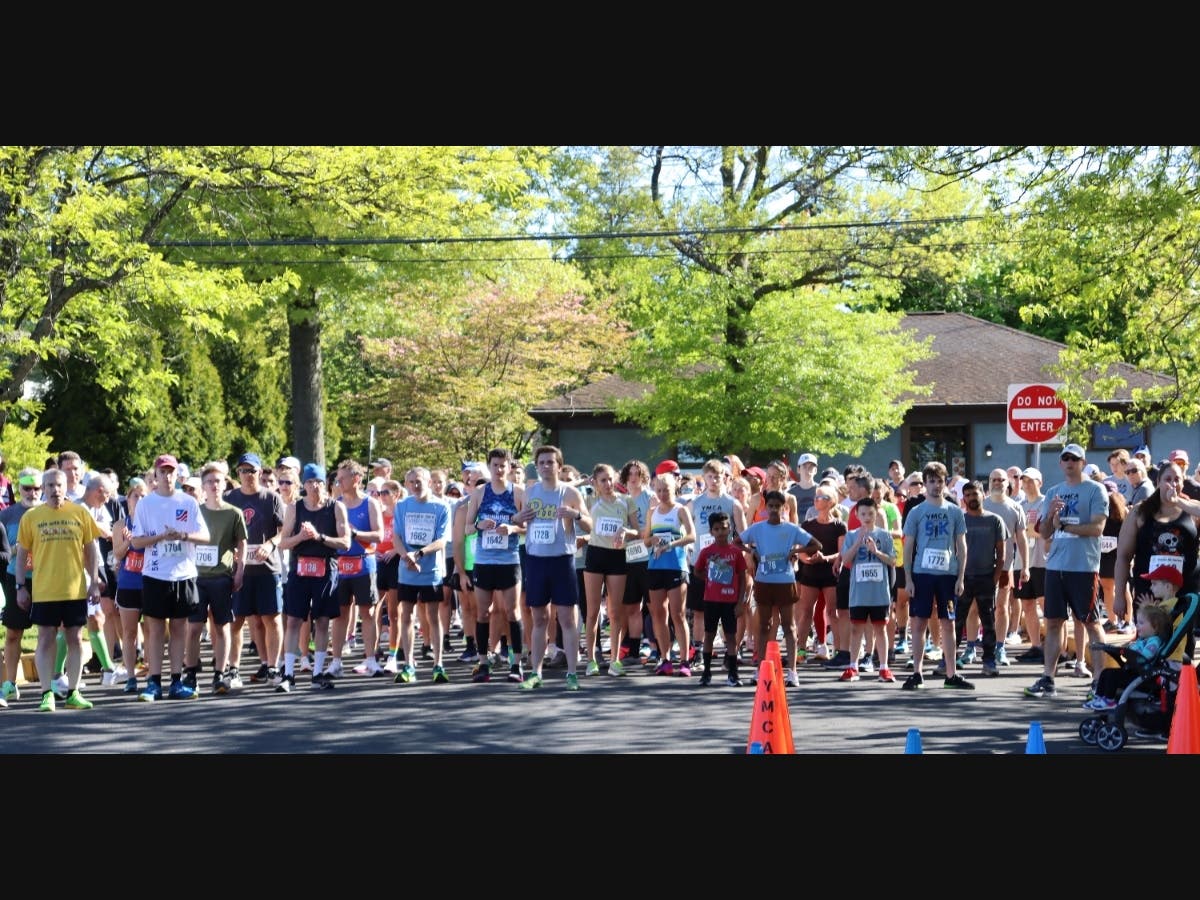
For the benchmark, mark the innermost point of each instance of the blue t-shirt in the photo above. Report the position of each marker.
(418, 523)
(1084, 501)
(773, 545)
(870, 578)
(933, 530)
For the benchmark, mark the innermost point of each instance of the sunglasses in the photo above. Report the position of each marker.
(1067, 457)
(286, 482)
(247, 471)
(32, 488)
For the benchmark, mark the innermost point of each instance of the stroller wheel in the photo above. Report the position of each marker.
(1110, 736)
(1087, 730)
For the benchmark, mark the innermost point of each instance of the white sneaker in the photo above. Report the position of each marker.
(791, 679)
(107, 677)
(335, 669)
(61, 686)
(822, 651)
(1013, 639)
(306, 663)
(120, 674)
(391, 666)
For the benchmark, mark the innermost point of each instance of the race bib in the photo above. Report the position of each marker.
(608, 527)
(541, 532)
(251, 550)
(207, 554)
(310, 566)
(635, 551)
(1166, 559)
(1108, 543)
(134, 560)
(493, 540)
(703, 540)
(868, 571)
(349, 565)
(110, 560)
(170, 548)
(93, 608)
(936, 560)
(418, 529)
(774, 565)
(719, 571)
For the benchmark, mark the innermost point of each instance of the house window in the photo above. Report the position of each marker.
(1113, 437)
(946, 444)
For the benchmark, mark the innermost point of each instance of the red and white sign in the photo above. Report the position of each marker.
(1036, 414)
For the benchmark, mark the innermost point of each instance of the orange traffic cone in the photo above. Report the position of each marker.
(1185, 724)
(781, 703)
(768, 726)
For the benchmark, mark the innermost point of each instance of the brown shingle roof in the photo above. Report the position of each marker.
(973, 364)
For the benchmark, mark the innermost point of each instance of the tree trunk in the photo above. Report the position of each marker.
(304, 356)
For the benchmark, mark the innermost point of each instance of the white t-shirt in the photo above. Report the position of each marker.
(168, 560)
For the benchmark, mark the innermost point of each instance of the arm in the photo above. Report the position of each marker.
(91, 565)
(573, 508)
(289, 535)
(960, 545)
(1126, 551)
(341, 540)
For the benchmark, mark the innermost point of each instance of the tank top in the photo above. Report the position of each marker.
(493, 549)
(324, 519)
(360, 558)
(609, 518)
(1171, 543)
(546, 534)
(666, 525)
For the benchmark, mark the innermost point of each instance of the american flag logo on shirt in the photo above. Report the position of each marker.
(181, 515)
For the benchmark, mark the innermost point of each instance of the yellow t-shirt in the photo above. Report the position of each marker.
(56, 539)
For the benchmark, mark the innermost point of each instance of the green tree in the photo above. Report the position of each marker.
(738, 271)
(460, 379)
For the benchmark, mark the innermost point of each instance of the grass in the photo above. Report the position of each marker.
(28, 639)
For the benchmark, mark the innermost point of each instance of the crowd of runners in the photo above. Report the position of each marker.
(592, 572)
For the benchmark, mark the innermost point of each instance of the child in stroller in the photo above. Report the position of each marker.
(1142, 689)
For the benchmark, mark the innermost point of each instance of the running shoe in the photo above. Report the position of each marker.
(616, 668)
(335, 669)
(684, 670)
(407, 675)
(866, 664)
(61, 686)
(733, 681)
(322, 683)
(515, 672)
(664, 667)
(1033, 654)
(440, 676)
(233, 679)
(469, 655)
(532, 683)
(1043, 687)
(886, 675)
(1002, 656)
(262, 676)
(913, 682)
(957, 682)
(791, 679)
(1100, 704)
(706, 678)
(481, 674)
(152, 692)
(286, 685)
(849, 674)
(572, 681)
(107, 678)
(131, 685)
(968, 656)
(218, 685)
(392, 666)
(180, 691)
(593, 668)
(47, 704)
(9, 691)
(76, 700)
(989, 670)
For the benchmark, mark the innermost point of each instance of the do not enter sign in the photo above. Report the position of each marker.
(1036, 414)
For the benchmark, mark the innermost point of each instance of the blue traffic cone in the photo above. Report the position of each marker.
(1036, 743)
(912, 743)
(756, 747)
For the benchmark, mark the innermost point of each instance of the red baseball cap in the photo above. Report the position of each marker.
(1166, 573)
(166, 461)
(667, 465)
(1177, 455)
(757, 473)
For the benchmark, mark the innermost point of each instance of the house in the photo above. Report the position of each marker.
(963, 422)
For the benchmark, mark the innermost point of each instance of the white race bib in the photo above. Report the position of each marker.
(1108, 543)
(418, 529)
(635, 551)
(1166, 559)
(207, 554)
(868, 571)
(936, 560)
(170, 548)
(541, 531)
(493, 540)
(608, 526)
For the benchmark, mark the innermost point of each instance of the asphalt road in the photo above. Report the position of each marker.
(637, 714)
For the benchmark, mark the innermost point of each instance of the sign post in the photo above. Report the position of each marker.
(1036, 414)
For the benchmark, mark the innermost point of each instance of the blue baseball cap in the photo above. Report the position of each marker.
(250, 459)
(313, 472)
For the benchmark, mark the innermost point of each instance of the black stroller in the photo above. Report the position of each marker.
(1148, 701)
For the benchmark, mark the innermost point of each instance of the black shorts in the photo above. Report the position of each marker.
(862, 614)
(51, 614)
(605, 561)
(359, 590)
(636, 584)
(129, 598)
(15, 618)
(261, 595)
(1074, 591)
(109, 588)
(387, 575)
(169, 599)
(694, 599)
(663, 579)
(216, 596)
(723, 614)
(421, 593)
(311, 597)
(816, 576)
(901, 581)
(1035, 587)
(843, 588)
(496, 576)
